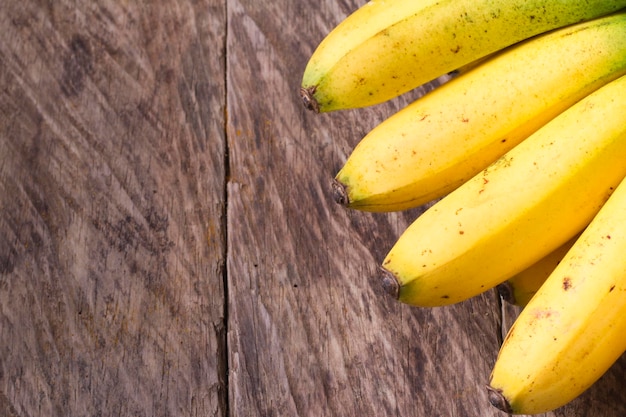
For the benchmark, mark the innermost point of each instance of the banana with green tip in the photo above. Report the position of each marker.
(388, 47)
(516, 211)
(444, 138)
(573, 329)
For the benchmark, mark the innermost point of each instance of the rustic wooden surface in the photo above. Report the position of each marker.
(168, 244)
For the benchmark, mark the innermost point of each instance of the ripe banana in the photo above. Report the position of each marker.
(573, 330)
(523, 206)
(520, 288)
(444, 138)
(388, 47)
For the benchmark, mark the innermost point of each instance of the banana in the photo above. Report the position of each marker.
(432, 146)
(573, 330)
(520, 288)
(388, 47)
(516, 211)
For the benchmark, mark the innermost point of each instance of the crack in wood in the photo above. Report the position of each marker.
(222, 332)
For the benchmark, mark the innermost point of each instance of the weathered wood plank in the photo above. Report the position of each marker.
(309, 332)
(112, 201)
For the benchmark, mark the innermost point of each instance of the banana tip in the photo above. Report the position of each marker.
(390, 284)
(340, 194)
(307, 94)
(497, 399)
(505, 290)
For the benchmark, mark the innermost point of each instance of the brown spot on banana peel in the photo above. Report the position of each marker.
(307, 94)
(340, 193)
(390, 284)
(567, 283)
(497, 399)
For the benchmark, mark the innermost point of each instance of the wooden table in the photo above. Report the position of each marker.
(168, 241)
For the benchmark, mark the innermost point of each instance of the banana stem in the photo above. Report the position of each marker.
(506, 292)
(308, 99)
(390, 284)
(497, 400)
(340, 194)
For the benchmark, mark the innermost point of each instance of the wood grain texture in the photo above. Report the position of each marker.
(112, 183)
(309, 332)
(168, 241)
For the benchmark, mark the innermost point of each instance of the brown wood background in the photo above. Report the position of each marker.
(168, 243)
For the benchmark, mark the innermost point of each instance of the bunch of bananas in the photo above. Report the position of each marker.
(523, 157)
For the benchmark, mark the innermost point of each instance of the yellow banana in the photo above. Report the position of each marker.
(388, 47)
(574, 328)
(523, 206)
(442, 139)
(520, 288)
